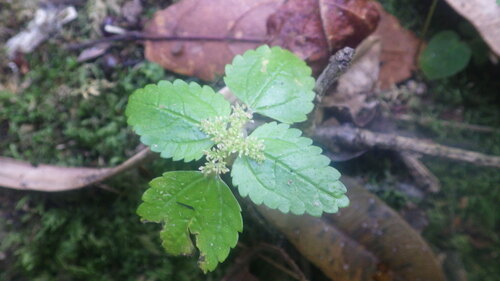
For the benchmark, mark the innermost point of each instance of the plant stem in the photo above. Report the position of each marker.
(428, 19)
(427, 23)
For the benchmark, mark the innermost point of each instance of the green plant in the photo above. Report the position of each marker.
(445, 55)
(273, 166)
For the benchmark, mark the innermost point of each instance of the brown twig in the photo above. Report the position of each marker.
(140, 36)
(422, 176)
(297, 272)
(361, 138)
(337, 65)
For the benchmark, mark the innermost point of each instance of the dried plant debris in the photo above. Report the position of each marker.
(312, 29)
(47, 20)
(485, 16)
(352, 245)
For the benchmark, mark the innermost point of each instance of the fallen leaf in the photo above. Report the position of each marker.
(23, 175)
(207, 18)
(313, 29)
(356, 87)
(94, 52)
(485, 16)
(383, 59)
(365, 241)
(399, 50)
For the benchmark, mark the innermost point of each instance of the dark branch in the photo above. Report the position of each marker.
(337, 65)
(361, 138)
(140, 36)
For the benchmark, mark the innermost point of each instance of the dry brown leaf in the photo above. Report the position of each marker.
(399, 50)
(206, 18)
(383, 59)
(313, 29)
(25, 176)
(485, 16)
(365, 241)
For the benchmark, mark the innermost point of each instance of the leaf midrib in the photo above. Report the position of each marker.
(300, 175)
(271, 79)
(167, 110)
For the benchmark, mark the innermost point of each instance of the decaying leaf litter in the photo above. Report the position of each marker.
(365, 103)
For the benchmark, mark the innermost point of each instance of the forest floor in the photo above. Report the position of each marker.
(69, 113)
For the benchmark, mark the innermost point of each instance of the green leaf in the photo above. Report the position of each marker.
(188, 202)
(273, 82)
(167, 117)
(294, 177)
(445, 56)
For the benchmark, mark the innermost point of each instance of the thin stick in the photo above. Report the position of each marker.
(298, 274)
(135, 36)
(287, 258)
(422, 176)
(280, 267)
(427, 23)
(428, 19)
(367, 139)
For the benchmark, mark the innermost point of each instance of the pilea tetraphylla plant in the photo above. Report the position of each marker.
(273, 166)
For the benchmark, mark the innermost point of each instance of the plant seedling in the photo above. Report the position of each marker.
(445, 55)
(274, 165)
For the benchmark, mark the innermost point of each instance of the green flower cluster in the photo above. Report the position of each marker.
(229, 136)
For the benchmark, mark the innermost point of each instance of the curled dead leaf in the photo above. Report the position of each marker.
(485, 16)
(399, 50)
(313, 29)
(207, 18)
(383, 59)
(365, 241)
(23, 175)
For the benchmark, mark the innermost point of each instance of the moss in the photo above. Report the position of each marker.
(89, 235)
(54, 121)
(464, 216)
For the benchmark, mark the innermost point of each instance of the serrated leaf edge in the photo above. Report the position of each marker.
(251, 104)
(244, 191)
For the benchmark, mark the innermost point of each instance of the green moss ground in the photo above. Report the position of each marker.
(89, 234)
